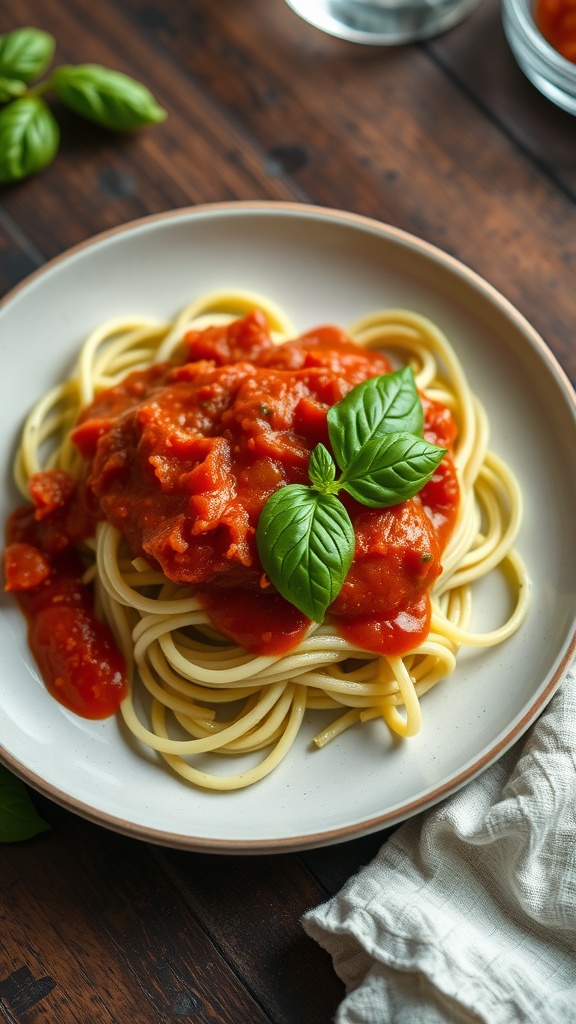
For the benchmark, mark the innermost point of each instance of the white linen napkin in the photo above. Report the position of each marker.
(468, 912)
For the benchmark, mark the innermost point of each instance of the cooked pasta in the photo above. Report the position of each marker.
(208, 695)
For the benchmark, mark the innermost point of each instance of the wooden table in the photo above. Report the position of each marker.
(446, 140)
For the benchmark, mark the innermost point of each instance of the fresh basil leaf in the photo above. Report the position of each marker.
(109, 98)
(29, 137)
(10, 88)
(18, 817)
(389, 404)
(321, 468)
(306, 543)
(390, 469)
(25, 53)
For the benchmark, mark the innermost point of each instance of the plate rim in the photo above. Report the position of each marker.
(451, 785)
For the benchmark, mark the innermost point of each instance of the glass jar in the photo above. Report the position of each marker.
(551, 73)
(383, 22)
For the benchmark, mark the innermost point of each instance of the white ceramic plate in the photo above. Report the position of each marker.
(321, 266)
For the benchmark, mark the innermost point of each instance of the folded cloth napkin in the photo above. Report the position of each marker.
(468, 913)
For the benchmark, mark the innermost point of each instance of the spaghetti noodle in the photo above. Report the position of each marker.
(206, 693)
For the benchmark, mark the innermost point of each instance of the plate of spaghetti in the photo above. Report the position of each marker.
(288, 543)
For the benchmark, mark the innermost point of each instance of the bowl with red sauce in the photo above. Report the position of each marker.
(542, 37)
(321, 267)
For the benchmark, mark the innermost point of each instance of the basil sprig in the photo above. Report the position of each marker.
(19, 819)
(29, 133)
(305, 537)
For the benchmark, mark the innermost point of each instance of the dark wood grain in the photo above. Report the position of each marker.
(377, 132)
(477, 56)
(258, 936)
(447, 140)
(101, 179)
(111, 929)
(18, 255)
(391, 135)
(334, 867)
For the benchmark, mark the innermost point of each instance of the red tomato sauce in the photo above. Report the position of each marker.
(556, 20)
(75, 652)
(182, 457)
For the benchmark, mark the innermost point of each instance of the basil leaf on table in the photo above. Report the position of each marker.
(306, 544)
(19, 819)
(29, 137)
(109, 98)
(390, 469)
(389, 404)
(25, 53)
